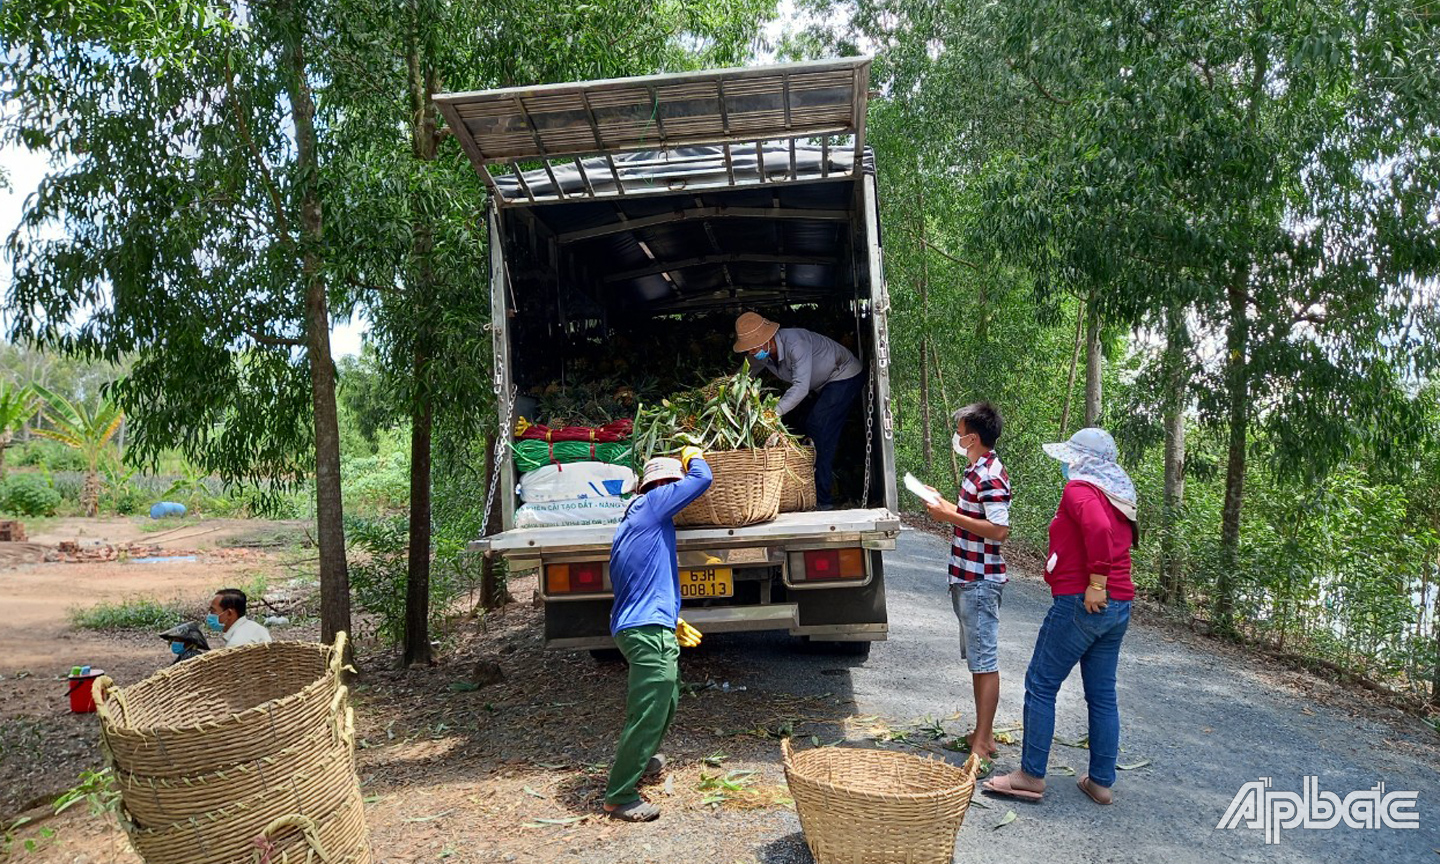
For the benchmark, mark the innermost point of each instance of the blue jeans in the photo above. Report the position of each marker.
(824, 425)
(1070, 635)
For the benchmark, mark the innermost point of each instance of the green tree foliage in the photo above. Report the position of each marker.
(1244, 195)
(419, 260)
(186, 190)
(367, 396)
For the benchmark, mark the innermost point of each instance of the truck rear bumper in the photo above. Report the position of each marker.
(746, 619)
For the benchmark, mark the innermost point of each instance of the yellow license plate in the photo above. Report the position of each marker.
(701, 582)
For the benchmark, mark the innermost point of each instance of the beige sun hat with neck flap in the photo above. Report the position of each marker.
(753, 330)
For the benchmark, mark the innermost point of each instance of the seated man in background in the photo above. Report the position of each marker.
(227, 615)
(809, 363)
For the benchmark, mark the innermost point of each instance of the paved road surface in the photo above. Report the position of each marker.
(1208, 723)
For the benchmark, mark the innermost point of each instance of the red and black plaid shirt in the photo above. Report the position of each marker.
(972, 557)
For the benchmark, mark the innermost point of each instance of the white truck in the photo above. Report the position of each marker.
(631, 204)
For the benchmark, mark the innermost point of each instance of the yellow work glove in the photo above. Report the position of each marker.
(689, 453)
(687, 636)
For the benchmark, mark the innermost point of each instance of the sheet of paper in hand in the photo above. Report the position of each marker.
(920, 490)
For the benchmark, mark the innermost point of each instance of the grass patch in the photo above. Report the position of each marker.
(255, 586)
(132, 613)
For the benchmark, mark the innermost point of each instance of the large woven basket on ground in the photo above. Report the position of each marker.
(878, 807)
(746, 489)
(798, 492)
(244, 749)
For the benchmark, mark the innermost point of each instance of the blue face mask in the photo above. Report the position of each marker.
(762, 354)
(177, 648)
(213, 622)
(1065, 471)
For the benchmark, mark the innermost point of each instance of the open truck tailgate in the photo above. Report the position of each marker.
(838, 526)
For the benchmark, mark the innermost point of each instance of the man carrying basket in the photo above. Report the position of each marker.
(645, 576)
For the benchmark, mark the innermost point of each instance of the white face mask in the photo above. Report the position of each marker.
(956, 445)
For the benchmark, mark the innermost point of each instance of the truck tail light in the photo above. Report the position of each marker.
(821, 565)
(583, 578)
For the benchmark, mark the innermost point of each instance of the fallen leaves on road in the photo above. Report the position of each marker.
(1132, 766)
(1006, 819)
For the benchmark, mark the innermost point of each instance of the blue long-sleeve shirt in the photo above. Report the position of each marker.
(643, 568)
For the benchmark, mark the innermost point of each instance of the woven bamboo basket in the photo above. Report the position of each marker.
(878, 807)
(320, 793)
(797, 494)
(156, 802)
(247, 748)
(259, 698)
(746, 489)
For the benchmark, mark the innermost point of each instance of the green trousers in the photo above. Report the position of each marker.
(654, 658)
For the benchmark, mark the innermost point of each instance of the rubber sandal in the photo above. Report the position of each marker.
(985, 769)
(1084, 784)
(656, 766)
(1001, 786)
(635, 811)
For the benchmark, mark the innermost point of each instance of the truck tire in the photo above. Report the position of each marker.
(860, 650)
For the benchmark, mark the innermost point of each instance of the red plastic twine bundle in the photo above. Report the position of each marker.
(611, 433)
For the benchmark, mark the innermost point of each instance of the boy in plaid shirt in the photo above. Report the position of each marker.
(981, 518)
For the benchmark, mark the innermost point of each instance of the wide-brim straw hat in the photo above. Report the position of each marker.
(753, 330)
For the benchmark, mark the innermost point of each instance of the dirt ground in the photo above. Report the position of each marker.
(458, 767)
(455, 767)
(43, 747)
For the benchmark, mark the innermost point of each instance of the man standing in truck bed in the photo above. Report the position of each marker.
(809, 363)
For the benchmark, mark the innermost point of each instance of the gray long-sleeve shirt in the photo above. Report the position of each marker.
(807, 361)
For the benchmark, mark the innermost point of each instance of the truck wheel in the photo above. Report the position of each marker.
(859, 650)
(839, 649)
(607, 655)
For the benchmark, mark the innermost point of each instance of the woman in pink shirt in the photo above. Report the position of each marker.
(1089, 575)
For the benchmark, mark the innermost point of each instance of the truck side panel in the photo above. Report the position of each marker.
(879, 317)
(499, 332)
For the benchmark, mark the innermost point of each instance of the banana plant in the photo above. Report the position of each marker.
(18, 404)
(85, 429)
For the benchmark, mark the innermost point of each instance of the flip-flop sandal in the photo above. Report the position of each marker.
(635, 811)
(1084, 784)
(1001, 786)
(985, 769)
(656, 766)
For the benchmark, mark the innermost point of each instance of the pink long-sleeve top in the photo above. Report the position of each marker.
(1088, 535)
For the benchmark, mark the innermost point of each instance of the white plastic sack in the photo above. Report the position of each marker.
(575, 481)
(584, 511)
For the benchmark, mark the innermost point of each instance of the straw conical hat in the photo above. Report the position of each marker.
(753, 330)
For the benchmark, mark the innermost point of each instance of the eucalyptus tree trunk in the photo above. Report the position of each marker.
(1092, 364)
(1070, 379)
(1237, 373)
(1237, 395)
(417, 584)
(926, 436)
(1435, 628)
(334, 573)
(1172, 563)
